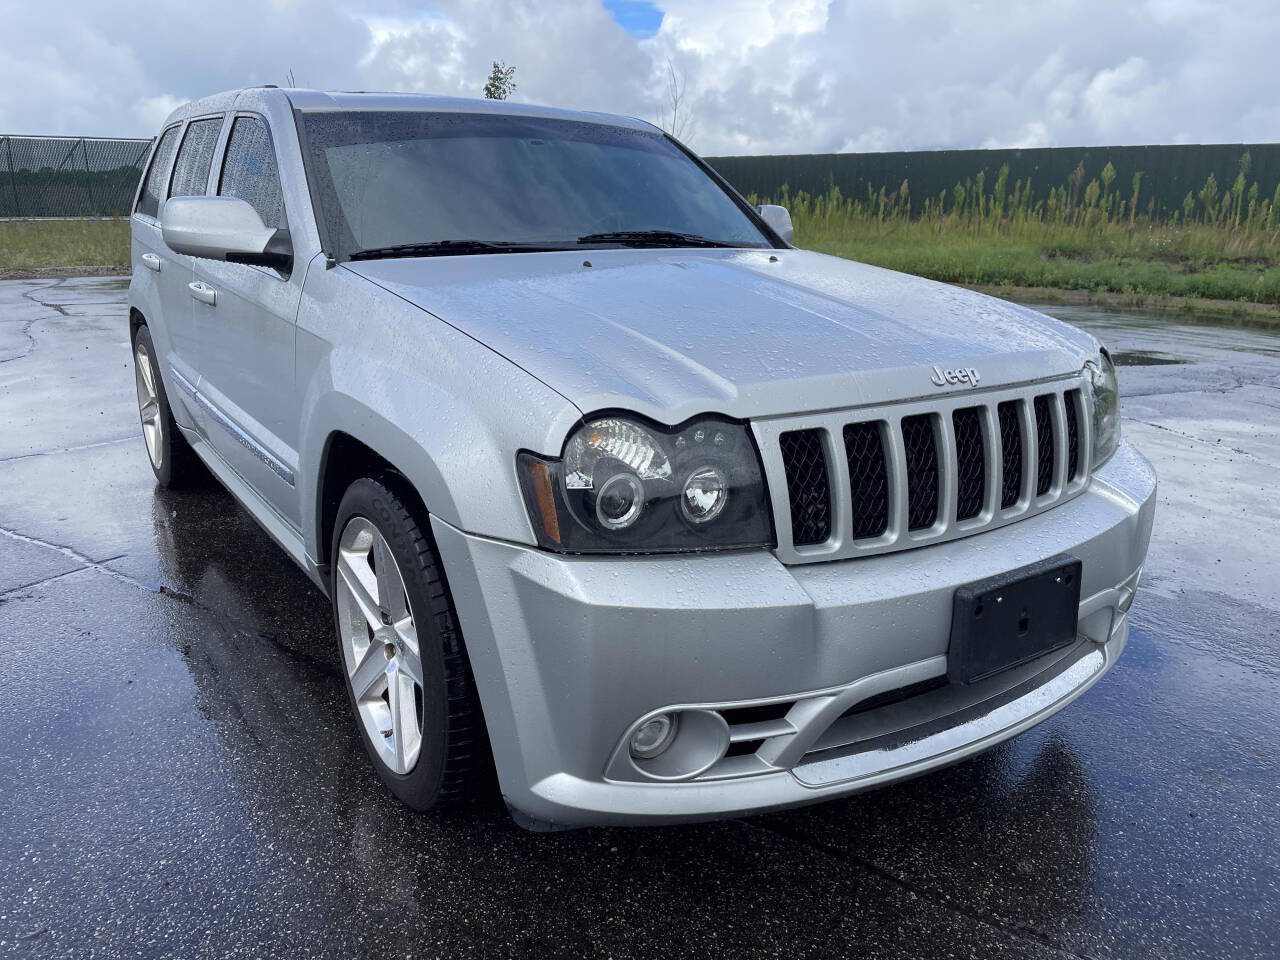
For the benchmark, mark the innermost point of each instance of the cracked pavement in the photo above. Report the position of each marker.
(179, 775)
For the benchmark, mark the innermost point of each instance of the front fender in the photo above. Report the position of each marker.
(446, 411)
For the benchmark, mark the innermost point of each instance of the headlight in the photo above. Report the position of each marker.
(623, 486)
(1101, 379)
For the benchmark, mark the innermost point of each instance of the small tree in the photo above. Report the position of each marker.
(676, 121)
(501, 83)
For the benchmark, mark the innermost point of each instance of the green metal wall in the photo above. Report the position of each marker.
(69, 176)
(1168, 172)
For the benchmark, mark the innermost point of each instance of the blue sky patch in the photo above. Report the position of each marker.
(638, 17)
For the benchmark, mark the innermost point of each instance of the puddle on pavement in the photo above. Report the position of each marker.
(1143, 358)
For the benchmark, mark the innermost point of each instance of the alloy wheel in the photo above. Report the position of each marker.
(380, 645)
(149, 404)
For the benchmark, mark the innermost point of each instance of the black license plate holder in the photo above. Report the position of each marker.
(1014, 617)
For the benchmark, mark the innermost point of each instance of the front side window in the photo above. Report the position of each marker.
(249, 171)
(153, 189)
(191, 170)
(387, 179)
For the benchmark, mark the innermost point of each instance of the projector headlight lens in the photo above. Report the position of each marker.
(625, 486)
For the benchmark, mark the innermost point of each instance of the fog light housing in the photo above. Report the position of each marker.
(653, 736)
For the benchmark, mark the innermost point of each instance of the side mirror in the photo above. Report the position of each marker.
(223, 228)
(779, 219)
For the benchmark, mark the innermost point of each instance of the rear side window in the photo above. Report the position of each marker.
(191, 171)
(249, 171)
(153, 189)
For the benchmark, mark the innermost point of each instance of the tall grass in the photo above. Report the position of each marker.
(1222, 244)
(42, 244)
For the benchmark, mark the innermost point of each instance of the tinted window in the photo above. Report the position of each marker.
(400, 177)
(153, 189)
(191, 171)
(249, 171)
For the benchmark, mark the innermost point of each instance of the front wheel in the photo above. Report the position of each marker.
(404, 665)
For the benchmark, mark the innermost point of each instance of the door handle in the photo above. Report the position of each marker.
(203, 292)
(151, 261)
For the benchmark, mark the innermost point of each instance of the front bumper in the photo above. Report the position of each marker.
(569, 653)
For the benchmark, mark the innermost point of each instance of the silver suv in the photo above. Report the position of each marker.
(602, 475)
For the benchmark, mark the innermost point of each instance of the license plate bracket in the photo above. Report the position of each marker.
(1013, 617)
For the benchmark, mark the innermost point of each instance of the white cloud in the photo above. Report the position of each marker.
(762, 76)
(150, 112)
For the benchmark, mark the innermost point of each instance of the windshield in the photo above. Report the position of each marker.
(477, 183)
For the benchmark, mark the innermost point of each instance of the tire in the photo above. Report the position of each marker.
(172, 460)
(439, 768)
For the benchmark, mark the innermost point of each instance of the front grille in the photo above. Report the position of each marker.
(1072, 398)
(868, 479)
(922, 471)
(808, 485)
(1011, 453)
(971, 462)
(996, 459)
(1044, 445)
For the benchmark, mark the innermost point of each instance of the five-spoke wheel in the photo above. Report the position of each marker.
(149, 403)
(173, 461)
(403, 662)
(380, 644)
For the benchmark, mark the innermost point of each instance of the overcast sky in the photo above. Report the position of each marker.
(761, 76)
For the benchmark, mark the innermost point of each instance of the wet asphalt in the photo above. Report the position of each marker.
(179, 775)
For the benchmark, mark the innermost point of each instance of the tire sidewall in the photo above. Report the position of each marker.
(373, 501)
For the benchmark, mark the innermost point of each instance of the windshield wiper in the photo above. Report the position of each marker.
(449, 248)
(653, 238)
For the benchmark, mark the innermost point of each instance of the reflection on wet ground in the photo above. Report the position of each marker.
(179, 775)
(1139, 358)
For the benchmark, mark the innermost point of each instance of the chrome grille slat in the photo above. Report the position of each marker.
(926, 471)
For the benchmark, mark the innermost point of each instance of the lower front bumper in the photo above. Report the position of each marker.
(570, 652)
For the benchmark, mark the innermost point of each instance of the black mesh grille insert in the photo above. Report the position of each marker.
(1011, 466)
(922, 471)
(1044, 445)
(808, 488)
(971, 462)
(1073, 434)
(868, 479)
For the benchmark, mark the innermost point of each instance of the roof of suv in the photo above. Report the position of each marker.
(320, 100)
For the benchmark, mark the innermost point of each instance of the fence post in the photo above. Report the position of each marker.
(88, 177)
(13, 183)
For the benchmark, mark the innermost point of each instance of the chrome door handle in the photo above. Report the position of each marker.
(203, 292)
(151, 261)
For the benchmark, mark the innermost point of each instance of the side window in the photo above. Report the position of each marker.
(153, 189)
(191, 171)
(249, 171)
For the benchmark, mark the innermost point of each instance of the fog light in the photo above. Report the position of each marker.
(653, 736)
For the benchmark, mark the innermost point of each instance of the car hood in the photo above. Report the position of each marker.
(674, 333)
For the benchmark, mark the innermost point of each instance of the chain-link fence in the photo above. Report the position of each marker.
(68, 176)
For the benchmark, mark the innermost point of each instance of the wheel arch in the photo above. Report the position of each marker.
(346, 458)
